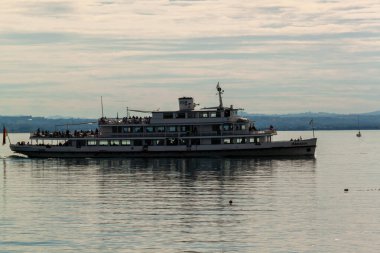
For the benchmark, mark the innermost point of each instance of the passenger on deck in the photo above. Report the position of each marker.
(252, 128)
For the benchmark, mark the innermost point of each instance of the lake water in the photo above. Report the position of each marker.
(182, 205)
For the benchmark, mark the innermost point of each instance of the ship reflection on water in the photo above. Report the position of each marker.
(223, 166)
(166, 168)
(160, 203)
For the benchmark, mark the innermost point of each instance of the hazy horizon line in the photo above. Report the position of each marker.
(244, 113)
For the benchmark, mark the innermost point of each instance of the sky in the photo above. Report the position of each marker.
(272, 57)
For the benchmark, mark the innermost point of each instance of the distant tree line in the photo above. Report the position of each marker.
(26, 124)
(321, 121)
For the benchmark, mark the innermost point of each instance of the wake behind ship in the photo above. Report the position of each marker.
(187, 132)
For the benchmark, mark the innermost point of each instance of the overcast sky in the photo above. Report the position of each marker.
(279, 56)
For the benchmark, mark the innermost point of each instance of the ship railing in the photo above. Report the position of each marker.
(89, 134)
(268, 131)
(189, 134)
(58, 135)
(124, 121)
(145, 135)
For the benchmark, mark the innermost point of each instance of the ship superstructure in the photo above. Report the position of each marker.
(186, 132)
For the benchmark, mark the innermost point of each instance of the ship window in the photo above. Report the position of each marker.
(240, 140)
(127, 129)
(171, 141)
(253, 140)
(114, 142)
(195, 141)
(137, 129)
(125, 142)
(227, 113)
(114, 129)
(227, 141)
(149, 129)
(181, 142)
(137, 142)
(91, 143)
(149, 142)
(203, 115)
(159, 142)
(212, 114)
(181, 115)
(103, 143)
(160, 129)
(215, 128)
(191, 115)
(239, 127)
(168, 115)
(227, 127)
(215, 141)
(184, 128)
(172, 129)
(80, 143)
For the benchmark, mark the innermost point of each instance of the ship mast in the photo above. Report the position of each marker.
(220, 92)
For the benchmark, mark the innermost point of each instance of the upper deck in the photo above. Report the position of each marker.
(226, 115)
(185, 122)
(186, 115)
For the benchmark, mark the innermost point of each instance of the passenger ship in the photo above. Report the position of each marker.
(187, 132)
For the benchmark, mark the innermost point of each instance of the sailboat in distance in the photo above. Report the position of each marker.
(359, 134)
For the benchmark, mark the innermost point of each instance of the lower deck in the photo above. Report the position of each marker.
(154, 142)
(279, 148)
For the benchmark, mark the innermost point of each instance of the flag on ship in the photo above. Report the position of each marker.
(311, 123)
(5, 134)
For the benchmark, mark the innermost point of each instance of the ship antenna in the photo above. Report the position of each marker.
(220, 92)
(101, 102)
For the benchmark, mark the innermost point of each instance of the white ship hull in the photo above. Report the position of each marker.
(280, 148)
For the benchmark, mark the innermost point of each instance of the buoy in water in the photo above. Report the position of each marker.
(346, 190)
(230, 202)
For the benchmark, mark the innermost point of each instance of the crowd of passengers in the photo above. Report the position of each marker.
(126, 120)
(66, 134)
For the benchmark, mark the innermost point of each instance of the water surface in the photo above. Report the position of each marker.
(182, 205)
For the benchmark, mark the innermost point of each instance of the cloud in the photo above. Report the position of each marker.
(158, 19)
(277, 55)
(55, 8)
(33, 38)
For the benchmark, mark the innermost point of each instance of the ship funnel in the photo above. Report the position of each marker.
(186, 104)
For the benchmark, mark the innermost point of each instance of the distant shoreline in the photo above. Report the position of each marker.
(286, 122)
